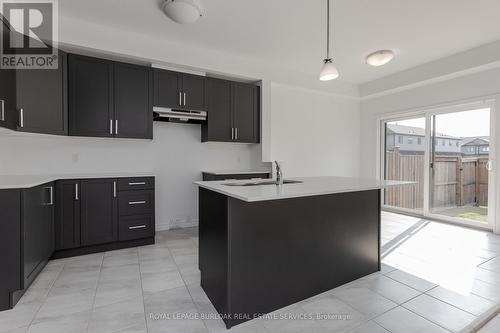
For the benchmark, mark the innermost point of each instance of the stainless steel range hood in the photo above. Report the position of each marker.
(179, 116)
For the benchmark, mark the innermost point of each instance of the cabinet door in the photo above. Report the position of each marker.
(193, 92)
(133, 101)
(218, 125)
(167, 92)
(10, 245)
(67, 223)
(99, 223)
(8, 112)
(38, 229)
(246, 112)
(90, 96)
(41, 99)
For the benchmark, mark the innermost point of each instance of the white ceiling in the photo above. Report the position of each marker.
(292, 32)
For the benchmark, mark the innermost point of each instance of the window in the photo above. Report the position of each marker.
(419, 141)
(410, 140)
(485, 149)
(458, 144)
(400, 139)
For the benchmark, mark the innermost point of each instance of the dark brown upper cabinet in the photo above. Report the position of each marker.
(109, 99)
(233, 112)
(8, 113)
(219, 122)
(34, 100)
(246, 106)
(179, 90)
(90, 96)
(41, 99)
(133, 101)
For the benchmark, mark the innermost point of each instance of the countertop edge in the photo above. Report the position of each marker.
(51, 178)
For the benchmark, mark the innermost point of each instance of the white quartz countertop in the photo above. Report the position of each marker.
(28, 181)
(237, 172)
(310, 186)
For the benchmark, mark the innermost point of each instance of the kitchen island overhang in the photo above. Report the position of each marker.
(297, 241)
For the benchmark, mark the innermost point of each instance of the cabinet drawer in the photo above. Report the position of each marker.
(136, 202)
(136, 183)
(135, 227)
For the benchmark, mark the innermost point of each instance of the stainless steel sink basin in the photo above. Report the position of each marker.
(257, 183)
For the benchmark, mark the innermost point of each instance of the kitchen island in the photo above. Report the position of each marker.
(263, 246)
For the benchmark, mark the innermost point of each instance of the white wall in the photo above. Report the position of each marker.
(314, 133)
(176, 156)
(459, 90)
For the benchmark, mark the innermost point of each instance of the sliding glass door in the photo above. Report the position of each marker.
(459, 168)
(447, 154)
(404, 160)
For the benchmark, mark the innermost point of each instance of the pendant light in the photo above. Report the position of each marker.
(329, 71)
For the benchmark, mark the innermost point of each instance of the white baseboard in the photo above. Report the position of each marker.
(176, 225)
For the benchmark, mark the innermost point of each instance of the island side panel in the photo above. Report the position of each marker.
(284, 251)
(213, 247)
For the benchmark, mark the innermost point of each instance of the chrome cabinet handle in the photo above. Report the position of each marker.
(136, 202)
(236, 133)
(232, 133)
(137, 227)
(116, 126)
(180, 98)
(51, 202)
(21, 117)
(137, 183)
(77, 197)
(184, 99)
(2, 105)
(111, 126)
(114, 189)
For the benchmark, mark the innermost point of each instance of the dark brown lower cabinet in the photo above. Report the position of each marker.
(99, 223)
(10, 245)
(103, 214)
(68, 210)
(38, 230)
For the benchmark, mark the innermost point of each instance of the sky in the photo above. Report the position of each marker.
(459, 124)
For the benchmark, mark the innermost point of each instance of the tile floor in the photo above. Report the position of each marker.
(435, 278)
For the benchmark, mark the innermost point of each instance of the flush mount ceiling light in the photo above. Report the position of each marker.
(182, 11)
(379, 58)
(329, 71)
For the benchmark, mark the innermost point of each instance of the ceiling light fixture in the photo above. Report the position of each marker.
(182, 11)
(329, 71)
(379, 58)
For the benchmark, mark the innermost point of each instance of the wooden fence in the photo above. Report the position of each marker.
(457, 181)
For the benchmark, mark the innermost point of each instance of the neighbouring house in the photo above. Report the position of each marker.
(411, 140)
(474, 146)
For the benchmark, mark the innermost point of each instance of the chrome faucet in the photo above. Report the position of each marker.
(279, 174)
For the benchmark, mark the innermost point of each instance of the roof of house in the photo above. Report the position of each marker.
(475, 140)
(411, 130)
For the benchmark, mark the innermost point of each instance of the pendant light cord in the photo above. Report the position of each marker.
(328, 29)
